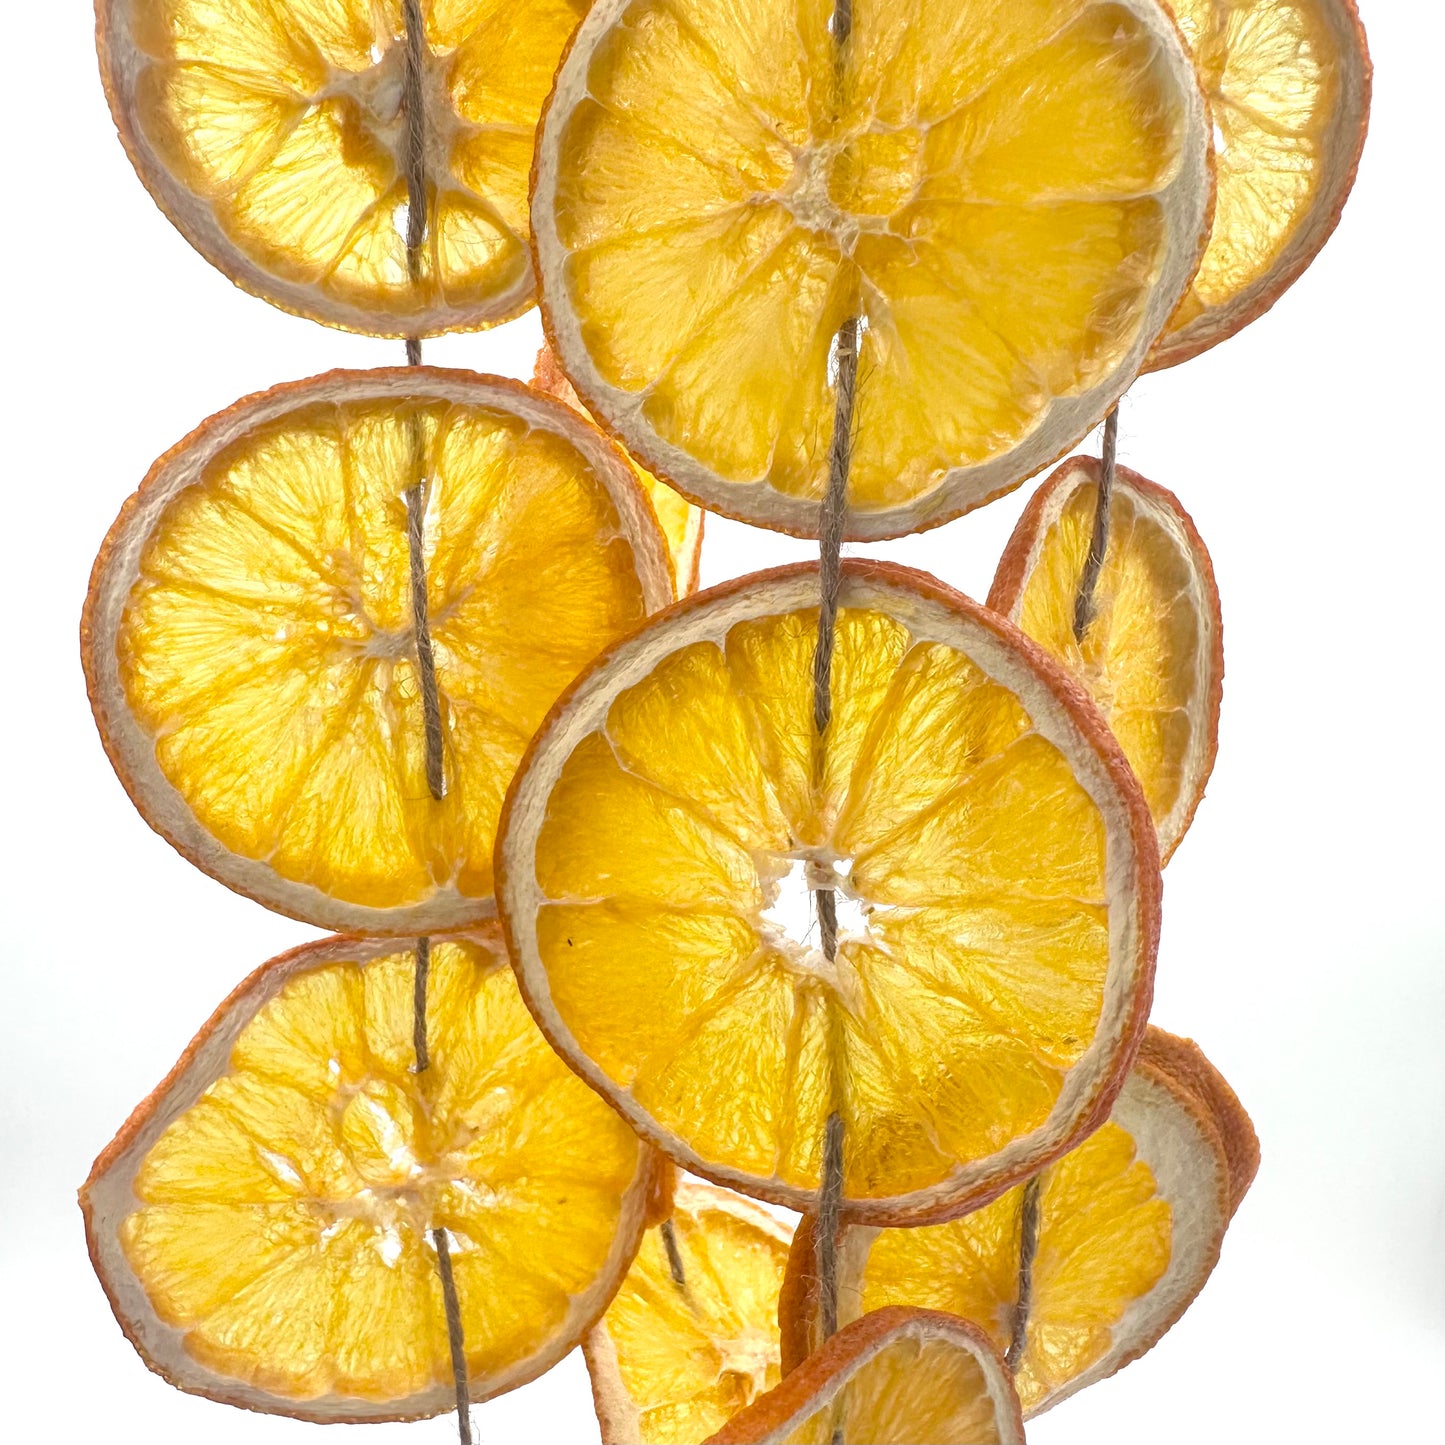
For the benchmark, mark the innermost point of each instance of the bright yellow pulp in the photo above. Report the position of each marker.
(285, 118)
(1271, 71)
(691, 1356)
(1143, 657)
(911, 1390)
(1104, 1242)
(284, 1218)
(268, 645)
(955, 1007)
(730, 191)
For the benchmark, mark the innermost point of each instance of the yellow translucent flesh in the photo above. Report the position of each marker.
(267, 646)
(1104, 1242)
(692, 1355)
(947, 1024)
(729, 193)
(1271, 71)
(681, 525)
(1144, 657)
(912, 1389)
(284, 1219)
(284, 118)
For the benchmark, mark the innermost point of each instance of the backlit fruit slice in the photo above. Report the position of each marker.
(1152, 657)
(1288, 82)
(1129, 1228)
(263, 1223)
(273, 134)
(895, 1377)
(248, 638)
(996, 876)
(1012, 198)
(681, 522)
(686, 1345)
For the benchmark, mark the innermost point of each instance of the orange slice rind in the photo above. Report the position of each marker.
(261, 1225)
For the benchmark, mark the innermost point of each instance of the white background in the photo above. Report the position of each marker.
(1303, 915)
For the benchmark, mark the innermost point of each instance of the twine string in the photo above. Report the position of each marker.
(1028, 1248)
(674, 1255)
(418, 1005)
(453, 1308)
(1099, 537)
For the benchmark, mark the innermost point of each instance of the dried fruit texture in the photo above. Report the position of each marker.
(720, 185)
(994, 863)
(262, 1225)
(272, 132)
(680, 1351)
(895, 1377)
(1152, 655)
(248, 637)
(1288, 82)
(680, 521)
(1129, 1228)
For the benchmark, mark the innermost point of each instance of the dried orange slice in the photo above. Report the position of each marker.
(1288, 82)
(1012, 198)
(1128, 1229)
(248, 635)
(895, 1377)
(1152, 656)
(692, 1337)
(680, 521)
(993, 861)
(273, 134)
(263, 1223)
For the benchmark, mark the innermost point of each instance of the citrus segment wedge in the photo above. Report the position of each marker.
(993, 860)
(690, 1341)
(1152, 657)
(1012, 199)
(894, 1377)
(1129, 1227)
(248, 635)
(273, 133)
(263, 1223)
(680, 521)
(1288, 83)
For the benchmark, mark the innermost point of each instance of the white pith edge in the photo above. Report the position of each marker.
(618, 1415)
(122, 63)
(996, 1378)
(1340, 148)
(928, 620)
(1186, 203)
(1081, 472)
(109, 1199)
(162, 805)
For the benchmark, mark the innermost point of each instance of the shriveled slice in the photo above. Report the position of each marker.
(1128, 1229)
(249, 645)
(894, 1377)
(680, 521)
(692, 1337)
(263, 1225)
(992, 857)
(1288, 83)
(274, 134)
(1011, 198)
(1152, 656)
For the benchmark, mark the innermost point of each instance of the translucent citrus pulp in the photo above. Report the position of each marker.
(680, 521)
(895, 1377)
(1013, 198)
(1288, 83)
(1152, 657)
(273, 134)
(249, 646)
(681, 1350)
(1129, 1228)
(262, 1225)
(993, 858)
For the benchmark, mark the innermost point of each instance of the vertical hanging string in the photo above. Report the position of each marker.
(1099, 538)
(418, 1005)
(1028, 1248)
(674, 1255)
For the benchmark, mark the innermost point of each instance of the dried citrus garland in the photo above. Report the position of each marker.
(391, 651)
